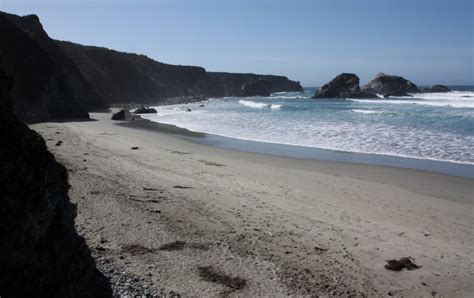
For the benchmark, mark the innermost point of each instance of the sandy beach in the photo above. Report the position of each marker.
(204, 221)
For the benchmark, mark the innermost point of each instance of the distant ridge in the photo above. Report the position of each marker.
(126, 77)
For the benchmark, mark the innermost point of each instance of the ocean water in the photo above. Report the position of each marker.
(430, 126)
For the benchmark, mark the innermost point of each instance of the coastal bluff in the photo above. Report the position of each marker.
(41, 254)
(57, 80)
(127, 77)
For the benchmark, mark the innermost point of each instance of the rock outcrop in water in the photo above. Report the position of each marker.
(345, 85)
(390, 85)
(145, 110)
(257, 88)
(436, 89)
(48, 85)
(126, 77)
(41, 255)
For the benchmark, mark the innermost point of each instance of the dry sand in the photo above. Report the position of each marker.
(204, 221)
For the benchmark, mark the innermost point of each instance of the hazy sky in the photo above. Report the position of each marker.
(311, 41)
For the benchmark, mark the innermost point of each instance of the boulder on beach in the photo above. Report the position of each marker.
(145, 110)
(120, 115)
(258, 88)
(385, 84)
(436, 89)
(345, 85)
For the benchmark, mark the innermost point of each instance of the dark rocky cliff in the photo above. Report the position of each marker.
(41, 255)
(63, 80)
(124, 77)
(48, 84)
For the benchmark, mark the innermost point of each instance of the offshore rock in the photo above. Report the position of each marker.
(345, 85)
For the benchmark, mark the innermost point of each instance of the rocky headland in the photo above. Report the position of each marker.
(126, 77)
(63, 80)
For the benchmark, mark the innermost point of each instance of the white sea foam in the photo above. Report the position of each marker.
(455, 99)
(421, 131)
(367, 111)
(253, 104)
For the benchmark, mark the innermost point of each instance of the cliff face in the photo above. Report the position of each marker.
(48, 84)
(62, 80)
(41, 255)
(230, 84)
(123, 77)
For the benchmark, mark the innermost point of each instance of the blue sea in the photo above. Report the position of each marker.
(430, 126)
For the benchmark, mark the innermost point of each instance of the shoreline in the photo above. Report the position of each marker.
(309, 153)
(285, 226)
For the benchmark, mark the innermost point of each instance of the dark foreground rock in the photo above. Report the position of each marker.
(145, 110)
(436, 89)
(120, 115)
(257, 88)
(41, 255)
(389, 84)
(345, 85)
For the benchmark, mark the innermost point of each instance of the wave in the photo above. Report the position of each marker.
(367, 111)
(253, 104)
(454, 99)
(275, 106)
(259, 105)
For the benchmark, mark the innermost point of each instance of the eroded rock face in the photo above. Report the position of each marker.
(41, 255)
(436, 89)
(258, 88)
(387, 85)
(345, 85)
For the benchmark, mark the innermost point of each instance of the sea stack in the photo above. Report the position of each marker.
(390, 85)
(345, 85)
(436, 89)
